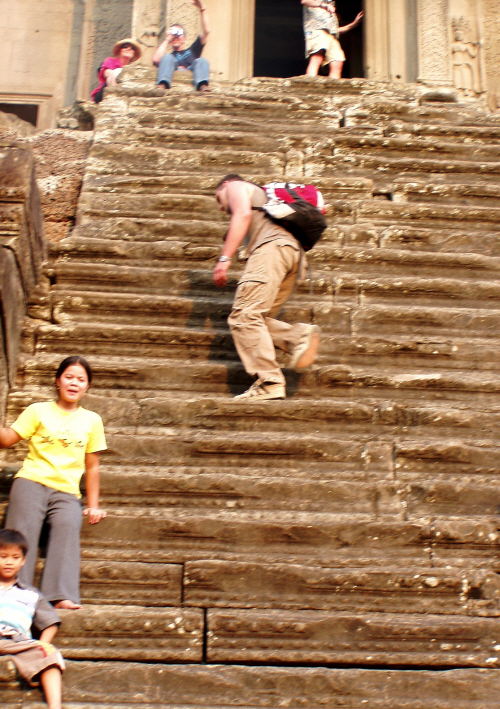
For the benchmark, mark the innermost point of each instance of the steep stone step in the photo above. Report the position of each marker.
(159, 372)
(400, 214)
(194, 310)
(151, 160)
(327, 261)
(118, 583)
(177, 535)
(347, 262)
(384, 168)
(225, 584)
(393, 237)
(184, 186)
(211, 686)
(474, 194)
(194, 342)
(417, 238)
(238, 635)
(168, 138)
(480, 155)
(232, 584)
(414, 117)
(133, 633)
(281, 636)
(471, 134)
(367, 490)
(442, 217)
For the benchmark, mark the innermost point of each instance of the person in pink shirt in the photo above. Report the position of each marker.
(125, 52)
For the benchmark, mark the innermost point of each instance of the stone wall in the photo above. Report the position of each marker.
(41, 175)
(22, 251)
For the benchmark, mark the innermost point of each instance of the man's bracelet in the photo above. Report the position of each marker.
(224, 259)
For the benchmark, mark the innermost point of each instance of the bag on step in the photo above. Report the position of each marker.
(297, 208)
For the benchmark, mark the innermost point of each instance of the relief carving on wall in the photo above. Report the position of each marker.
(465, 58)
(434, 65)
(147, 25)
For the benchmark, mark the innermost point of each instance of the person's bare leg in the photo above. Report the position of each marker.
(335, 70)
(50, 679)
(315, 62)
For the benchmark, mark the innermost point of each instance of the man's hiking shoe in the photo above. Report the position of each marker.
(306, 351)
(262, 391)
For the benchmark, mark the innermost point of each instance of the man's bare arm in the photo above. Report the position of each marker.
(205, 29)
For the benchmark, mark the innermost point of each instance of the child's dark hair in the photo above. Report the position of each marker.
(13, 538)
(74, 359)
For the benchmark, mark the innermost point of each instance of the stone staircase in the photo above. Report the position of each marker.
(339, 548)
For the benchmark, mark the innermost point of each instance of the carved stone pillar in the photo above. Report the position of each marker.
(148, 21)
(433, 42)
(490, 50)
(389, 31)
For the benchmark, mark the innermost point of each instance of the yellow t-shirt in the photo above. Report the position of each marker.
(58, 442)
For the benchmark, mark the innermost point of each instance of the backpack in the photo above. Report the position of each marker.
(296, 208)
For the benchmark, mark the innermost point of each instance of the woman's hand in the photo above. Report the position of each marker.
(94, 514)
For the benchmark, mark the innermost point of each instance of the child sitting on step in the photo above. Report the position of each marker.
(64, 442)
(22, 607)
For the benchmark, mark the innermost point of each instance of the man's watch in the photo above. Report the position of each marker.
(224, 259)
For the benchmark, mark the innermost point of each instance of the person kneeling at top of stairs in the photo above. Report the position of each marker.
(182, 58)
(273, 264)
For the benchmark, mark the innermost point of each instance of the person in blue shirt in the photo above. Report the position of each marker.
(21, 609)
(181, 57)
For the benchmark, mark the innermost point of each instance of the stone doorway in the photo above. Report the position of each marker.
(279, 39)
(352, 42)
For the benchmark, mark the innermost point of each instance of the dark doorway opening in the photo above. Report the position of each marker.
(27, 111)
(352, 41)
(279, 38)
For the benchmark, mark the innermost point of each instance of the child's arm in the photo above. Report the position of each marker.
(352, 24)
(92, 510)
(8, 437)
(48, 634)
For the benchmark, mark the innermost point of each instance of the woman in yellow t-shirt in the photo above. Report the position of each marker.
(64, 441)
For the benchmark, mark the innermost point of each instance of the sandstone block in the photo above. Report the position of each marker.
(370, 639)
(258, 585)
(12, 310)
(131, 582)
(132, 633)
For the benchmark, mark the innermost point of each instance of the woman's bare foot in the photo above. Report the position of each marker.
(66, 604)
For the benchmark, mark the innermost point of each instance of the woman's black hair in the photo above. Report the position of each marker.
(74, 359)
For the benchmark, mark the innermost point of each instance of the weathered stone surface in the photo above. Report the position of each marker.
(13, 128)
(132, 633)
(216, 686)
(20, 220)
(22, 250)
(131, 582)
(369, 639)
(181, 534)
(352, 523)
(12, 302)
(257, 585)
(60, 163)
